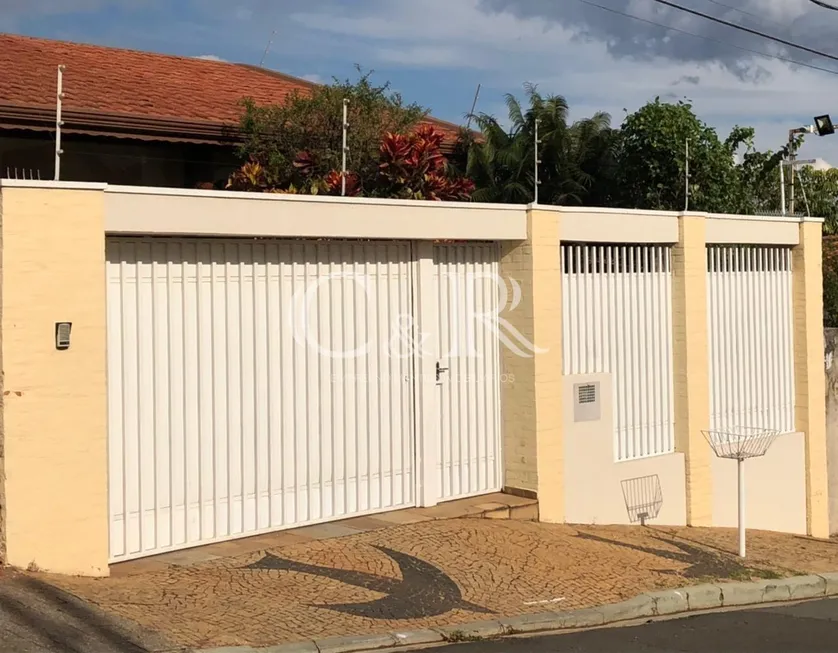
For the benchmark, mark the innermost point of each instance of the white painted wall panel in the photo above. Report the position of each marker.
(468, 291)
(227, 414)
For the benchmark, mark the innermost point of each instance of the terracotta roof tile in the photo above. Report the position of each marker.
(117, 81)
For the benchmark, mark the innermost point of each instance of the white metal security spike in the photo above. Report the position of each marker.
(59, 97)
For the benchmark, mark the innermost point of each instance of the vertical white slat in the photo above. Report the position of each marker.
(161, 397)
(192, 373)
(713, 335)
(261, 411)
(321, 434)
(175, 400)
(656, 354)
(579, 312)
(117, 497)
(615, 351)
(248, 366)
(778, 341)
(760, 342)
(648, 368)
(789, 345)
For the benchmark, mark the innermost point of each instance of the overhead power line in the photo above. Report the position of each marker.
(825, 5)
(748, 30)
(745, 12)
(709, 38)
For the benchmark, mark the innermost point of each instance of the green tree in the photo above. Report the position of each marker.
(576, 159)
(298, 143)
(652, 154)
(821, 193)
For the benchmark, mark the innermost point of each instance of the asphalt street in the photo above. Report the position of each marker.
(38, 618)
(811, 627)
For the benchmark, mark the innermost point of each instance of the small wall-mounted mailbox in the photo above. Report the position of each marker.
(62, 335)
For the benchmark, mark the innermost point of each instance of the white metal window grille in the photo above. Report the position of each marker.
(749, 314)
(617, 319)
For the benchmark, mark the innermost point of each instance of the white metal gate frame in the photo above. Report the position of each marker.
(426, 487)
(411, 263)
(469, 465)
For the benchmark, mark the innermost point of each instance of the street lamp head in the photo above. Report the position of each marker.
(824, 125)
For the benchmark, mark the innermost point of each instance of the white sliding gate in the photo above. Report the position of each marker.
(467, 282)
(225, 420)
(749, 313)
(617, 319)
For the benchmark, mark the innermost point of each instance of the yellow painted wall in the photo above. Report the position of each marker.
(532, 385)
(55, 402)
(809, 373)
(691, 378)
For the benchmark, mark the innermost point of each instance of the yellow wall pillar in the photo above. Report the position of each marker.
(691, 365)
(54, 426)
(810, 402)
(532, 381)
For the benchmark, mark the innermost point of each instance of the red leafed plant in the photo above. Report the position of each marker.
(414, 167)
(333, 183)
(250, 177)
(410, 167)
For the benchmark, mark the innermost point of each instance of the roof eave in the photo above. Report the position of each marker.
(119, 125)
(96, 123)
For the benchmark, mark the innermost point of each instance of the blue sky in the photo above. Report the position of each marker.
(436, 51)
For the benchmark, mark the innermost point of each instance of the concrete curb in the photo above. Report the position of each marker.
(651, 604)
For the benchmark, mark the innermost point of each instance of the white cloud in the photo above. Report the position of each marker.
(501, 50)
(314, 78)
(210, 57)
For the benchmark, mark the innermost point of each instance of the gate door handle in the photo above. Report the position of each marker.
(439, 370)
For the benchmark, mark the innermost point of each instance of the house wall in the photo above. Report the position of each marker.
(787, 488)
(595, 482)
(54, 402)
(54, 412)
(31, 154)
(775, 488)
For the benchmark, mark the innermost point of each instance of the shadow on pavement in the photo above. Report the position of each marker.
(37, 617)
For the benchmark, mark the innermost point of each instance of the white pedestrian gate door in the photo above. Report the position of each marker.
(255, 384)
(468, 369)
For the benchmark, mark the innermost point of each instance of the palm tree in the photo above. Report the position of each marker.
(573, 157)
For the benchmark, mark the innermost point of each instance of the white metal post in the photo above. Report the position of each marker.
(345, 147)
(740, 463)
(59, 96)
(782, 188)
(687, 178)
(537, 161)
(426, 307)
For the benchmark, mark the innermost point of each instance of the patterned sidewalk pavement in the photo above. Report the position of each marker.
(428, 574)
